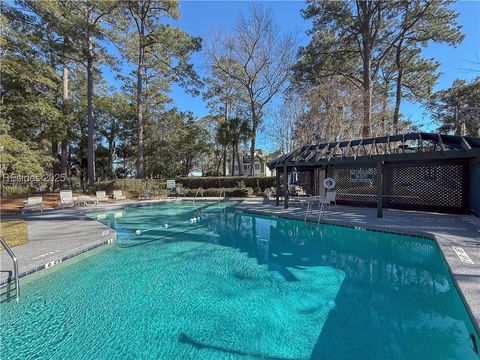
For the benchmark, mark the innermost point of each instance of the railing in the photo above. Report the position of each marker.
(196, 194)
(15, 266)
(322, 204)
(220, 196)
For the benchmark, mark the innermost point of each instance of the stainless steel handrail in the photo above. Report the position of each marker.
(220, 196)
(15, 265)
(196, 194)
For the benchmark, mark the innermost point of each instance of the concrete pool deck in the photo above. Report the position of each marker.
(54, 235)
(58, 234)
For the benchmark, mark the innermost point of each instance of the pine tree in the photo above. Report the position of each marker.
(160, 53)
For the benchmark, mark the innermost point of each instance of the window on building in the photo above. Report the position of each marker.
(257, 166)
(245, 167)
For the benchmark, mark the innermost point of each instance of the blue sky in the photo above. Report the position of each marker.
(200, 18)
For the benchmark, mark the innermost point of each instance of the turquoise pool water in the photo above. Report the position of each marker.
(239, 286)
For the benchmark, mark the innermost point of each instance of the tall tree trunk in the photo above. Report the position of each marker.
(398, 99)
(64, 143)
(366, 11)
(254, 138)
(111, 150)
(55, 165)
(233, 158)
(225, 160)
(237, 153)
(141, 59)
(54, 138)
(384, 114)
(64, 164)
(90, 118)
(367, 96)
(398, 89)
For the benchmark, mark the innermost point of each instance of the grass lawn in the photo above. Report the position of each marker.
(14, 232)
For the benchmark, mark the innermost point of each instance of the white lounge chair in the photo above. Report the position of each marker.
(66, 198)
(33, 203)
(147, 195)
(102, 196)
(118, 195)
(327, 200)
(171, 187)
(83, 200)
(179, 191)
(170, 184)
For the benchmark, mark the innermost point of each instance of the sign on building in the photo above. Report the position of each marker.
(361, 175)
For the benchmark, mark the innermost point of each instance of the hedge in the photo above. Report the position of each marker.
(134, 188)
(254, 182)
(229, 192)
(131, 187)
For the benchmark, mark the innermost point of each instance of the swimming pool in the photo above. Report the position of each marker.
(205, 282)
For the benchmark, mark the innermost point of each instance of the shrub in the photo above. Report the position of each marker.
(215, 192)
(132, 188)
(14, 191)
(234, 186)
(261, 182)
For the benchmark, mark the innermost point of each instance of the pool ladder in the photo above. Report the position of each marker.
(199, 191)
(222, 191)
(15, 268)
(309, 211)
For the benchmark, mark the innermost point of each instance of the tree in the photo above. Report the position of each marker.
(421, 22)
(457, 109)
(29, 87)
(224, 137)
(223, 97)
(175, 144)
(82, 26)
(258, 57)
(345, 34)
(285, 118)
(155, 48)
(20, 159)
(240, 132)
(113, 113)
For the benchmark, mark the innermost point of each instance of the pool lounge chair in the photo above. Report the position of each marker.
(33, 203)
(145, 196)
(327, 200)
(66, 198)
(179, 191)
(171, 187)
(102, 196)
(118, 195)
(84, 200)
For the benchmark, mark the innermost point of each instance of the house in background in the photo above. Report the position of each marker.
(259, 165)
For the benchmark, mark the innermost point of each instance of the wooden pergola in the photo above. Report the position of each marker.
(419, 150)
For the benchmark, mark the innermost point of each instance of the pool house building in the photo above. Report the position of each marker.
(414, 171)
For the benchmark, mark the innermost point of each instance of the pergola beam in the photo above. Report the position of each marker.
(397, 147)
(466, 146)
(440, 142)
